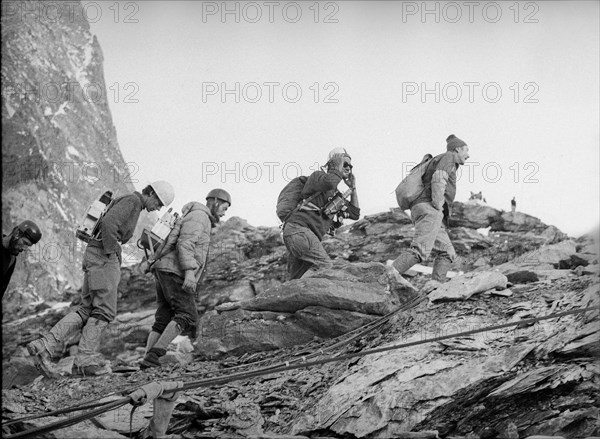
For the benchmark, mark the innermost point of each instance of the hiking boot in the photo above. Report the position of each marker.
(41, 358)
(92, 370)
(152, 358)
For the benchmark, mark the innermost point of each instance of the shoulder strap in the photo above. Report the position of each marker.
(300, 204)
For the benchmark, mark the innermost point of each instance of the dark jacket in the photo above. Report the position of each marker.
(325, 184)
(8, 267)
(118, 224)
(439, 180)
(186, 247)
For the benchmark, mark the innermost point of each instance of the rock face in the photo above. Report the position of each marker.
(59, 145)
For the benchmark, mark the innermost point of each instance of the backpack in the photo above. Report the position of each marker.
(289, 197)
(411, 186)
(89, 227)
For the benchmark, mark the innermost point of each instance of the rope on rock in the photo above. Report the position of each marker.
(304, 364)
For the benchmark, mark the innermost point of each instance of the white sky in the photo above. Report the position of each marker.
(544, 152)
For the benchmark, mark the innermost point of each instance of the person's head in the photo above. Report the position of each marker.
(218, 201)
(23, 236)
(459, 146)
(343, 154)
(158, 194)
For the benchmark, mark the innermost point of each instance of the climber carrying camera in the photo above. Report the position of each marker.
(322, 206)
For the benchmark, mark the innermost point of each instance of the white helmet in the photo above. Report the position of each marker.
(335, 151)
(164, 191)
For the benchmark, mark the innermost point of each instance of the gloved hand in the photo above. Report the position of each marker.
(146, 266)
(189, 283)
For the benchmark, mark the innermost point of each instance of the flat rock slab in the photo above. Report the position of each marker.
(463, 287)
(361, 289)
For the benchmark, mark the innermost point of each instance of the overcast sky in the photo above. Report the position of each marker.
(249, 97)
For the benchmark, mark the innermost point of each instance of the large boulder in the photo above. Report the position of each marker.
(323, 304)
(516, 222)
(473, 215)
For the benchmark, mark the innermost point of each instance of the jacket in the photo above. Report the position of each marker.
(118, 223)
(439, 181)
(186, 247)
(313, 219)
(8, 267)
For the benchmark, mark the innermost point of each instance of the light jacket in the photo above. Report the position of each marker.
(186, 247)
(439, 181)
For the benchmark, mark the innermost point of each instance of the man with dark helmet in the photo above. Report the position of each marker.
(178, 266)
(24, 235)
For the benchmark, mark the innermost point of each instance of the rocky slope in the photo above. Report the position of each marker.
(539, 379)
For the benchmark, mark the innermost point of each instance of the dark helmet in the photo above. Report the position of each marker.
(221, 194)
(30, 230)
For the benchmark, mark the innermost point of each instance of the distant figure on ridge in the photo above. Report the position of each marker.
(513, 205)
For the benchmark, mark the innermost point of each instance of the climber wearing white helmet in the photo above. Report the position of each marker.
(101, 276)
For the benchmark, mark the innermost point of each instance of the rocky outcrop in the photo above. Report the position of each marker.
(471, 385)
(318, 306)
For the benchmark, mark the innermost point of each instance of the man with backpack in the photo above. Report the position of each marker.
(101, 276)
(305, 225)
(431, 209)
(178, 267)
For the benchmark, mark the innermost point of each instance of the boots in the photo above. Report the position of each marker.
(87, 359)
(441, 265)
(152, 339)
(406, 260)
(42, 349)
(152, 358)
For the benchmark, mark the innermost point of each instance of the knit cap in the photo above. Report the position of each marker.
(453, 142)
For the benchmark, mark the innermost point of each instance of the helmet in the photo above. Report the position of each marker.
(30, 230)
(335, 151)
(164, 191)
(221, 194)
